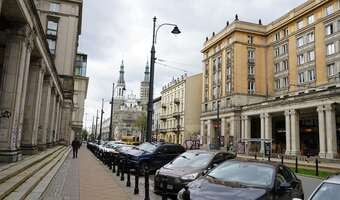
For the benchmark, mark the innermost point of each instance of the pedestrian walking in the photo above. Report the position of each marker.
(75, 146)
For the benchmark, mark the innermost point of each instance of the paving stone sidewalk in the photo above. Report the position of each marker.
(86, 178)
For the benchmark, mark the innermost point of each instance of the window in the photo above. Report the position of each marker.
(251, 86)
(54, 7)
(311, 75)
(285, 32)
(250, 39)
(277, 52)
(331, 69)
(300, 41)
(311, 55)
(277, 36)
(277, 67)
(214, 66)
(301, 59)
(228, 71)
(310, 19)
(219, 63)
(51, 33)
(301, 77)
(277, 84)
(329, 10)
(310, 37)
(330, 49)
(251, 70)
(251, 54)
(300, 24)
(285, 82)
(285, 48)
(228, 87)
(329, 29)
(285, 64)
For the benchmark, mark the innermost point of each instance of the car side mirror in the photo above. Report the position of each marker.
(284, 187)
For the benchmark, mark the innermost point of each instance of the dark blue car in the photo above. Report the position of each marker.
(153, 155)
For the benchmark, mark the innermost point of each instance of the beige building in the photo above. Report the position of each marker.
(180, 113)
(276, 83)
(37, 55)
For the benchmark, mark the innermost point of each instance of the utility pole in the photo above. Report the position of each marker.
(101, 122)
(218, 139)
(92, 132)
(95, 132)
(111, 136)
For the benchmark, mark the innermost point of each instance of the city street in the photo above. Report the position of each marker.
(88, 178)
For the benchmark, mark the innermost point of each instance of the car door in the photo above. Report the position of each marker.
(160, 156)
(284, 177)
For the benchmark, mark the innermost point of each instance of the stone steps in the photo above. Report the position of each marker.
(15, 168)
(31, 183)
(20, 179)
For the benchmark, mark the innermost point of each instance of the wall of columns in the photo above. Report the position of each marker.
(326, 126)
(29, 94)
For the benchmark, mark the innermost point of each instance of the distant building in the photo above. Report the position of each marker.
(156, 121)
(181, 109)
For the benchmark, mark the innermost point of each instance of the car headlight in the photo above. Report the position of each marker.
(190, 177)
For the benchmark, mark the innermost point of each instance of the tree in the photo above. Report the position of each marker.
(84, 134)
(140, 124)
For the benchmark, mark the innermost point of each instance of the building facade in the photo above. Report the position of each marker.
(275, 83)
(180, 113)
(156, 121)
(33, 92)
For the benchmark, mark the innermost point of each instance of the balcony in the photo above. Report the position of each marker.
(176, 114)
(176, 101)
(162, 130)
(163, 105)
(251, 60)
(163, 117)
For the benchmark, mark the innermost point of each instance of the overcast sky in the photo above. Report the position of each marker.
(115, 30)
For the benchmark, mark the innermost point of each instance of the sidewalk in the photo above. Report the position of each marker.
(86, 178)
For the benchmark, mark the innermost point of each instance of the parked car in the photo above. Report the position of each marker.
(154, 155)
(329, 189)
(187, 167)
(236, 179)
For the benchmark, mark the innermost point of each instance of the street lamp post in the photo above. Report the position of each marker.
(152, 66)
(110, 131)
(101, 122)
(96, 128)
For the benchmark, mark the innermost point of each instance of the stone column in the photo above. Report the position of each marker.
(332, 151)
(322, 133)
(16, 61)
(29, 139)
(44, 113)
(56, 121)
(263, 133)
(202, 139)
(50, 131)
(59, 121)
(288, 135)
(209, 132)
(295, 132)
(247, 127)
(268, 126)
(243, 132)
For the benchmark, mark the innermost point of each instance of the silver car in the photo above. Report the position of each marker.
(329, 189)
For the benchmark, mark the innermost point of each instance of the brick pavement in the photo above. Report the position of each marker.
(86, 178)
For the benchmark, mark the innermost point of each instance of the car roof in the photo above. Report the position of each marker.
(200, 151)
(333, 179)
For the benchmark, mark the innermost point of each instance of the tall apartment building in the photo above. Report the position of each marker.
(276, 83)
(38, 46)
(180, 113)
(156, 122)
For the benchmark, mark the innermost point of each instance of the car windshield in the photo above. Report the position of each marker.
(327, 191)
(245, 173)
(193, 160)
(147, 147)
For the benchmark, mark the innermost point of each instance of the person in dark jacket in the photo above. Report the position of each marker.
(75, 146)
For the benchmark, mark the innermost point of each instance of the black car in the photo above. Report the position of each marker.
(153, 155)
(185, 168)
(235, 179)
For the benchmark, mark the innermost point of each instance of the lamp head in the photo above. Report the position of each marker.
(175, 30)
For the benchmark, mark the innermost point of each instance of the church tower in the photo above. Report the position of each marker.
(144, 87)
(120, 88)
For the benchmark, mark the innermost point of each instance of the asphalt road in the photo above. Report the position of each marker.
(309, 184)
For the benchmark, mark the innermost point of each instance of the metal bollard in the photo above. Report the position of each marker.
(282, 159)
(122, 170)
(128, 181)
(136, 189)
(186, 193)
(164, 189)
(146, 179)
(316, 167)
(296, 164)
(118, 167)
(255, 156)
(113, 165)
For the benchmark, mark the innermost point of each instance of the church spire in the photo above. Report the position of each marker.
(147, 73)
(121, 74)
(121, 82)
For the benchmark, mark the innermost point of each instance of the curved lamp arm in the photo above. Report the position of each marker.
(164, 24)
